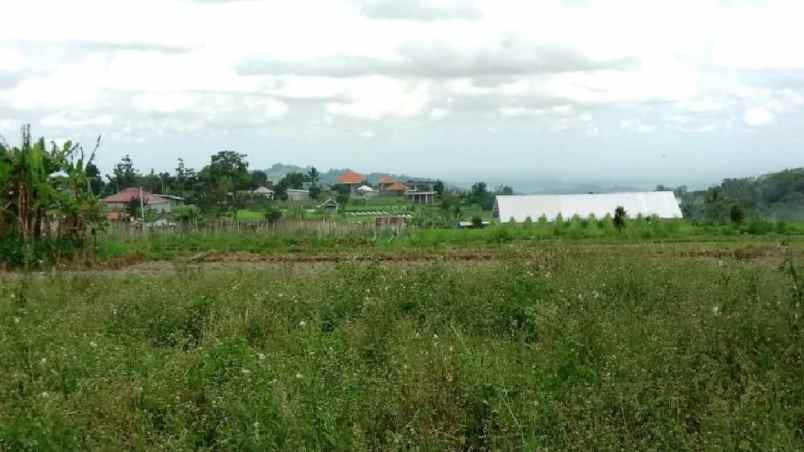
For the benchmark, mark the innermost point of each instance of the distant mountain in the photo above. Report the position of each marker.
(279, 170)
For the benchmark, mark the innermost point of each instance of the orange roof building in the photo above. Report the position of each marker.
(351, 178)
(397, 187)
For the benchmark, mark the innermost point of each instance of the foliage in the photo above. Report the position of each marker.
(272, 215)
(619, 218)
(438, 187)
(777, 196)
(45, 195)
(556, 351)
(736, 214)
(185, 214)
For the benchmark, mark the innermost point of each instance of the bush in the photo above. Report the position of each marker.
(619, 218)
(272, 215)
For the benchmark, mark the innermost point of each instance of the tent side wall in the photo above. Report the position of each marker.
(520, 208)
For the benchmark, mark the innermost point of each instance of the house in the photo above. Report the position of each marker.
(662, 204)
(351, 179)
(330, 205)
(263, 192)
(385, 182)
(159, 203)
(298, 195)
(395, 188)
(421, 197)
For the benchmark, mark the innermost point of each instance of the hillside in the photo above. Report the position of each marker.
(778, 196)
(279, 170)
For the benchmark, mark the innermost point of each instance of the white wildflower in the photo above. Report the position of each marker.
(298, 375)
(302, 323)
(16, 320)
(92, 344)
(261, 356)
(715, 310)
(245, 371)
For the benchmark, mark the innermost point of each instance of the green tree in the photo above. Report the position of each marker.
(481, 196)
(504, 190)
(736, 214)
(258, 179)
(96, 184)
(438, 187)
(125, 175)
(223, 179)
(619, 218)
(315, 191)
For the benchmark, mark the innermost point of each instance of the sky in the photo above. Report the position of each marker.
(631, 92)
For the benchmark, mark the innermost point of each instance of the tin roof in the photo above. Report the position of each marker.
(129, 194)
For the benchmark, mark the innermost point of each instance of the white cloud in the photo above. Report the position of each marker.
(274, 68)
(758, 116)
(375, 98)
(426, 10)
(65, 120)
(437, 114)
(636, 125)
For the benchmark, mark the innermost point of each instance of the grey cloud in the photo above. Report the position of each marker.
(419, 10)
(428, 60)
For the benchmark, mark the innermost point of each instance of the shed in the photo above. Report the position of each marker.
(330, 205)
(662, 204)
(295, 194)
(264, 192)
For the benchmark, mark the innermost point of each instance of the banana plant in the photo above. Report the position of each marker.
(41, 187)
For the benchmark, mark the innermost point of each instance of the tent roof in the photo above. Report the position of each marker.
(364, 188)
(263, 190)
(660, 203)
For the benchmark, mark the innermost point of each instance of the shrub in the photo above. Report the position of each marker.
(619, 218)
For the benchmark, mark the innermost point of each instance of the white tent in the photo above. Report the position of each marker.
(365, 189)
(660, 203)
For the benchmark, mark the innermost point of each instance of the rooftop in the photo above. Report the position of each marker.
(132, 193)
(351, 178)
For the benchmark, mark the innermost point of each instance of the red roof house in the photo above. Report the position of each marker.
(120, 200)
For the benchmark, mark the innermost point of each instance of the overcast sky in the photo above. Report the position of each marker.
(653, 91)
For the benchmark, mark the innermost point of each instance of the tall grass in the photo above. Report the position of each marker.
(556, 353)
(313, 237)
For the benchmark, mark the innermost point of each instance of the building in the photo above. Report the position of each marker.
(298, 195)
(662, 204)
(330, 205)
(351, 179)
(263, 192)
(421, 197)
(159, 203)
(385, 182)
(396, 188)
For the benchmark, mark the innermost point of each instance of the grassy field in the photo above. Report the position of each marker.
(336, 237)
(553, 346)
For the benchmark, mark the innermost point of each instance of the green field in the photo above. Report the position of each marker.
(489, 345)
